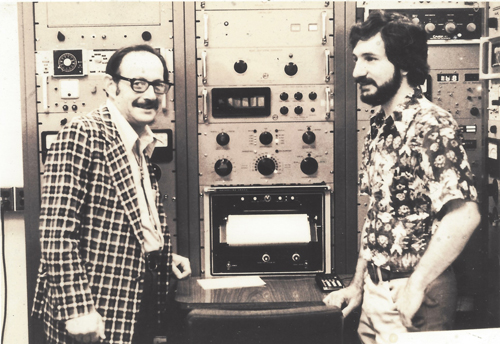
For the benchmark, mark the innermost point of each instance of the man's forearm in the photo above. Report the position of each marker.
(359, 276)
(447, 243)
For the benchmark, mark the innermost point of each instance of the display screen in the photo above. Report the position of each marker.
(447, 77)
(472, 77)
(241, 102)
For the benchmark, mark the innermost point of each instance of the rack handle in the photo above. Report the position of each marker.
(327, 65)
(205, 105)
(325, 20)
(327, 102)
(204, 66)
(205, 23)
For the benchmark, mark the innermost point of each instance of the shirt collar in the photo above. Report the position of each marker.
(147, 140)
(410, 99)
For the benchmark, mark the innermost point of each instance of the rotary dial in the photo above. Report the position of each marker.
(67, 62)
(266, 165)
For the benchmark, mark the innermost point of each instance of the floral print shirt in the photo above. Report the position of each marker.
(413, 163)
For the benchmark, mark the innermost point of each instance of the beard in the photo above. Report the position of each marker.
(384, 92)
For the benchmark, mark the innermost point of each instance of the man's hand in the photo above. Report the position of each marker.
(352, 296)
(183, 263)
(408, 299)
(87, 328)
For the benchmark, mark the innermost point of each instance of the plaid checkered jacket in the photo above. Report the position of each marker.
(90, 232)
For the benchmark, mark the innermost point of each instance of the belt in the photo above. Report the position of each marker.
(386, 275)
(152, 260)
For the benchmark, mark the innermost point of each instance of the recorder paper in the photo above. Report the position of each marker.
(267, 229)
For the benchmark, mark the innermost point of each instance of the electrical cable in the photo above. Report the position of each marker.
(4, 266)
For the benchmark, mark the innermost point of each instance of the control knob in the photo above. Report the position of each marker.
(240, 67)
(471, 27)
(308, 137)
(266, 166)
(450, 27)
(266, 138)
(430, 27)
(295, 257)
(284, 110)
(291, 69)
(146, 35)
(266, 257)
(222, 139)
(309, 166)
(298, 96)
(313, 95)
(284, 96)
(223, 167)
(475, 112)
(60, 36)
(298, 110)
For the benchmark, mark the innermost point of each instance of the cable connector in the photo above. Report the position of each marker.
(12, 199)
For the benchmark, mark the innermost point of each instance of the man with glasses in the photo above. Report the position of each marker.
(106, 252)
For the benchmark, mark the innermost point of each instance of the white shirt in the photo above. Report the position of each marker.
(150, 221)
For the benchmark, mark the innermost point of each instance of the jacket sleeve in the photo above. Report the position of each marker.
(63, 198)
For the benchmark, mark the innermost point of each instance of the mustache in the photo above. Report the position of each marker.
(363, 81)
(147, 104)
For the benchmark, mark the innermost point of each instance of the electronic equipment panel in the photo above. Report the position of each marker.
(265, 94)
(267, 230)
(490, 71)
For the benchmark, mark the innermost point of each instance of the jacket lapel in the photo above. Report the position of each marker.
(121, 172)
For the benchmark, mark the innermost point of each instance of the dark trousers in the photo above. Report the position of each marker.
(146, 327)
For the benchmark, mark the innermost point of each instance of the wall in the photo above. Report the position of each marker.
(11, 175)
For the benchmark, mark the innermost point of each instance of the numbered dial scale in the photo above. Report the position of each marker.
(68, 63)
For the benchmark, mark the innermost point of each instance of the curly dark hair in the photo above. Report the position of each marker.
(113, 66)
(405, 42)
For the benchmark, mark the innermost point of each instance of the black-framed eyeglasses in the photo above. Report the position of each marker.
(141, 85)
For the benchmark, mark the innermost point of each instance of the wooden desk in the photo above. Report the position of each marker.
(279, 292)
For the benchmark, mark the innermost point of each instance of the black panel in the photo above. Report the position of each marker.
(228, 259)
(241, 102)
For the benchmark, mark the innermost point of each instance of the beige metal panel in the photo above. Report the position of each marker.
(461, 98)
(319, 109)
(264, 28)
(246, 5)
(459, 56)
(97, 25)
(287, 151)
(265, 66)
(79, 14)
